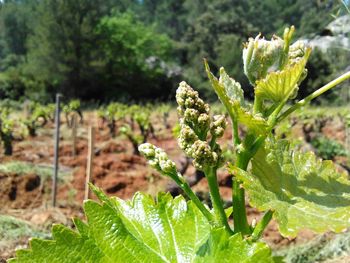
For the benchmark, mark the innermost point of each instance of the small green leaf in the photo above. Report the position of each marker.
(303, 191)
(280, 85)
(228, 94)
(228, 211)
(231, 95)
(253, 122)
(232, 88)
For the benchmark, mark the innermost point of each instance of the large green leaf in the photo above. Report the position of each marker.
(142, 230)
(171, 227)
(231, 95)
(280, 85)
(303, 191)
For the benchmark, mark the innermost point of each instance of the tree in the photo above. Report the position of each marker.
(59, 45)
(62, 43)
(221, 25)
(132, 58)
(15, 28)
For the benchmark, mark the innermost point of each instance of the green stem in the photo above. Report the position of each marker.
(260, 227)
(236, 139)
(257, 105)
(216, 198)
(240, 220)
(212, 142)
(313, 95)
(271, 109)
(180, 181)
(238, 194)
(272, 120)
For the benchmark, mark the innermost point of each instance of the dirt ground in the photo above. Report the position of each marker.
(116, 170)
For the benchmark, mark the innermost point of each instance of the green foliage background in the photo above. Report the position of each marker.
(139, 50)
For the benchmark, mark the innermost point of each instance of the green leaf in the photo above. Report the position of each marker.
(228, 211)
(171, 227)
(82, 228)
(280, 85)
(231, 95)
(228, 90)
(221, 247)
(253, 122)
(67, 247)
(141, 230)
(303, 191)
(232, 88)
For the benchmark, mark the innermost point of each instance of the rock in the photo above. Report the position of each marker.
(340, 26)
(335, 35)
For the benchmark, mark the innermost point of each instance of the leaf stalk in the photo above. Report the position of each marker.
(260, 227)
(216, 198)
(188, 191)
(314, 95)
(240, 220)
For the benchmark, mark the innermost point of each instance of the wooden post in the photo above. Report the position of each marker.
(347, 138)
(90, 159)
(74, 135)
(56, 149)
(347, 124)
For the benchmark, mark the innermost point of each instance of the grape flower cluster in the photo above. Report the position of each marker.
(158, 159)
(195, 124)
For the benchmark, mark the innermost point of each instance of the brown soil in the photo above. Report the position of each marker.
(20, 191)
(335, 129)
(115, 169)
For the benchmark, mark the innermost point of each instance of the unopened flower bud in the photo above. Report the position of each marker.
(148, 150)
(187, 138)
(203, 155)
(191, 115)
(218, 126)
(261, 56)
(254, 223)
(203, 122)
(188, 98)
(296, 52)
(189, 102)
(158, 159)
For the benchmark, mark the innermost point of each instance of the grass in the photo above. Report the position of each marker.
(11, 229)
(320, 249)
(15, 232)
(327, 149)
